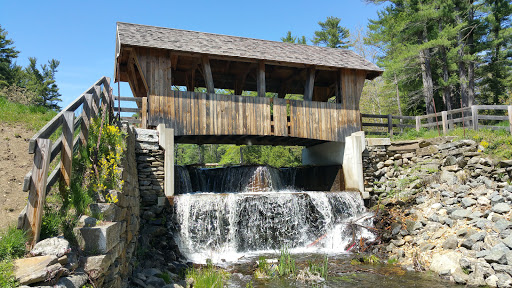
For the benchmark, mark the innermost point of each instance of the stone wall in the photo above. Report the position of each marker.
(402, 167)
(446, 207)
(109, 243)
(157, 252)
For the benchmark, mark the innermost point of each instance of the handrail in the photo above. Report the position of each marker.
(468, 115)
(37, 181)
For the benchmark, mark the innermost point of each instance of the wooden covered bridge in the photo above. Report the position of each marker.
(159, 63)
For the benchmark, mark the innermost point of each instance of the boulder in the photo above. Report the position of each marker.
(51, 246)
(447, 261)
(33, 269)
(501, 208)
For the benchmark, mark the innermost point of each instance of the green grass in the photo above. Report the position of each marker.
(286, 265)
(35, 117)
(12, 246)
(12, 243)
(321, 269)
(208, 277)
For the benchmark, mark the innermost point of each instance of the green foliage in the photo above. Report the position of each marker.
(332, 34)
(31, 85)
(286, 265)
(321, 269)
(165, 276)
(51, 223)
(12, 243)
(7, 279)
(392, 261)
(207, 277)
(291, 39)
(35, 117)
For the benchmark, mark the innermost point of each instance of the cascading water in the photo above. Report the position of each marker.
(263, 217)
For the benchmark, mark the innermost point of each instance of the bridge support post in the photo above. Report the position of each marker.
(353, 163)
(166, 141)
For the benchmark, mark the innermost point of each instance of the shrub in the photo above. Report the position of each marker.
(286, 263)
(207, 277)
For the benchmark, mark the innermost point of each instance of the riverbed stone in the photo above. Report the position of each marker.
(460, 214)
(447, 261)
(501, 208)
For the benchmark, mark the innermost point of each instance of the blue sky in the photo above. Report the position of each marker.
(81, 34)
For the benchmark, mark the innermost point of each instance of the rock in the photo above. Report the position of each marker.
(87, 221)
(508, 241)
(468, 202)
(501, 208)
(33, 269)
(502, 268)
(388, 163)
(398, 243)
(446, 261)
(155, 281)
(448, 177)
(483, 200)
(504, 280)
(492, 281)
(496, 256)
(451, 242)
(460, 214)
(52, 246)
(99, 239)
(78, 279)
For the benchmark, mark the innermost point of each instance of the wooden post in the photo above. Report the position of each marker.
(207, 73)
(510, 118)
(390, 125)
(86, 118)
(310, 84)
(418, 123)
(444, 116)
(474, 114)
(261, 79)
(339, 91)
(37, 192)
(66, 152)
(144, 112)
(166, 141)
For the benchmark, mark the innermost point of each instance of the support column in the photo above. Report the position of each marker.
(166, 141)
(261, 79)
(353, 163)
(310, 84)
(207, 72)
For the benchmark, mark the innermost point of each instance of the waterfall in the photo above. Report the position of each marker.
(263, 217)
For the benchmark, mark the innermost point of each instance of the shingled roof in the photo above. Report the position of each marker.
(232, 46)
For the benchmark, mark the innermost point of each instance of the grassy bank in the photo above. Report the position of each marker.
(12, 246)
(34, 117)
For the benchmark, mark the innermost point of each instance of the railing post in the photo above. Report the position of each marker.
(509, 108)
(474, 114)
(86, 118)
(144, 112)
(444, 116)
(390, 125)
(37, 192)
(66, 157)
(418, 123)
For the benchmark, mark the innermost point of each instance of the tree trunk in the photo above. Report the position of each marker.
(471, 64)
(462, 66)
(447, 89)
(398, 103)
(426, 74)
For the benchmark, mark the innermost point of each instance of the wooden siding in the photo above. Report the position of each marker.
(194, 114)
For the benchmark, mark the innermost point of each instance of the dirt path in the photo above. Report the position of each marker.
(15, 162)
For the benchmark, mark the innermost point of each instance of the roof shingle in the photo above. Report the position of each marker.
(232, 46)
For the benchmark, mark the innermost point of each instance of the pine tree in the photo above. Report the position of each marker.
(332, 34)
(7, 53)
(42, 82)
(291, 39)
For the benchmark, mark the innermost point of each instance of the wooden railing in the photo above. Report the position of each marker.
(39, 181)
(191, 113)
(468, 117)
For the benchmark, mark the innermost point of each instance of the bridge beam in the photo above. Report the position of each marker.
(166, 141)
(310, 84)
(261, 79)
(207, 73)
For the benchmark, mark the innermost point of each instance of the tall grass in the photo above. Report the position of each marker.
(207, 277)
(286, 265)
(321, 269)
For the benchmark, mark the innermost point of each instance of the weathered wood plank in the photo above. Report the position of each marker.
(310, 84)
(144, 112)
(280, 122)
(492, 117)
(207, 73)
(86, 120)
(261, 79)
(37, 192)
(66, 157)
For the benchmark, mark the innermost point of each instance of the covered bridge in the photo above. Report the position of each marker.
(155, 61)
